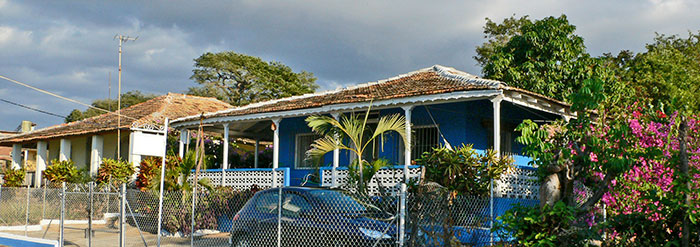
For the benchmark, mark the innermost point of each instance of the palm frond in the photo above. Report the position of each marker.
(323, 146)
(394, 122)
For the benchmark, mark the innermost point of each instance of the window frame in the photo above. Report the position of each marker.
(297, 161)
(402, 145)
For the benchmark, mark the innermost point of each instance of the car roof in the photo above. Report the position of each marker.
(301, 189)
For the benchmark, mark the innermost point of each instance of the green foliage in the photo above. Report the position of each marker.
(128, 99)
(62, 171)
(239, 79)
(535, 226)
(178, 170)
(354, 135)
(13, 177)
(544, 56)
(463, 170)
(149, 173)
(368, 170)
(498, 35)
(115, 171)
(667, 73)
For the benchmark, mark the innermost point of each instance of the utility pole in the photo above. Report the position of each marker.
(109, 89)
(122, 39)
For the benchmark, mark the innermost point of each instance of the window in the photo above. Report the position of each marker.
(424, 139)
(506, 141)
(294, 204)
(303, 144)
(267, 203)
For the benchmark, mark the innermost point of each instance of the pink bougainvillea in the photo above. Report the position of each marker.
(640, 189)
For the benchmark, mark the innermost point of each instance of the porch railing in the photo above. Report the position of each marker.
(519, 182)
(388, 177)
(244, 178)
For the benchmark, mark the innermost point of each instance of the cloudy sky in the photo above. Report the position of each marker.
(67, 47)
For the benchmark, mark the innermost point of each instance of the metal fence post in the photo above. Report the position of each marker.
(279, 217)
(61, 238)
(91, 186)
(26, 215)
(43, 201)
(491, 212)
(402, 214)
(122, 217)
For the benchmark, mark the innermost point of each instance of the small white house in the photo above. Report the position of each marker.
(87, 141)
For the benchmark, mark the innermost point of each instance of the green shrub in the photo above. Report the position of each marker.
(149, 170)
(463, 170)
(546, 226)
(62, 171)
(13, 177)
(115, 171)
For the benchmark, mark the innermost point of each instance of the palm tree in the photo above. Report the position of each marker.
(352, 133)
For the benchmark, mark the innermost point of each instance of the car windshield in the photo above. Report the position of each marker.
(343, 203)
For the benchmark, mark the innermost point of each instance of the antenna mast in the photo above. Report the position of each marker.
(122, 39)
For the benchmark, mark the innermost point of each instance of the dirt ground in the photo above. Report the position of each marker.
(105, 236)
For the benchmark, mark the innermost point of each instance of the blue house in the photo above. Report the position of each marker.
(442, 104)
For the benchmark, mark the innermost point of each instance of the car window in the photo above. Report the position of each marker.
(293, 204)
(267, 202)
(342, 202)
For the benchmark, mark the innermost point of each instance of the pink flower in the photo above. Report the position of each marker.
(593, 156)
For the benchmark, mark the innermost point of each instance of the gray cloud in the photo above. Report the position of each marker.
(67, 46)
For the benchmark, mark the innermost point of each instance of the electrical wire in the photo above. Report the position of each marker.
(32, 108)
(63, 98)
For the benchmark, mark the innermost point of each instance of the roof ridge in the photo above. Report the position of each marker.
(462, 76)
(185, 96)
(308, 95)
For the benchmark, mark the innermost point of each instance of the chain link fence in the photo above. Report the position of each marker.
(90, 215)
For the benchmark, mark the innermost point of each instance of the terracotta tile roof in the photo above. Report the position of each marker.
(433, 80)
(153, 111)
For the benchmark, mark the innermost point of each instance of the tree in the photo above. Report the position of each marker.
(353, 135)
(666, 74)
(498, 35)
(240, 79)
(544, 56)
(128, 99)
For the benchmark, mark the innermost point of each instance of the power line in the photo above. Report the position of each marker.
(32, 108)
(61, 97)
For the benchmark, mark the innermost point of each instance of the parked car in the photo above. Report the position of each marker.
(312, 217)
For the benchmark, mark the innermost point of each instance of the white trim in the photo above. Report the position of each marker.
(537, 104)
(377, 105)
(224, 162)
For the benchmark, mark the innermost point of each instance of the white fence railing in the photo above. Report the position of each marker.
(388, 177)
(518, 182)
(244, 178)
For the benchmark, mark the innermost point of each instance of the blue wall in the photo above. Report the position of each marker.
(460, 123)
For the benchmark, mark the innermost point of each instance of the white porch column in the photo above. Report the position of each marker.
(275, 150)
(497, 124)
(407, 146)
(257, 150)
(16, 156)
(184, 138)
(224, 165)
(41, 154)
(96, 152)
(134, 159)
(64, 152)
(336, 155)
(496, 147)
